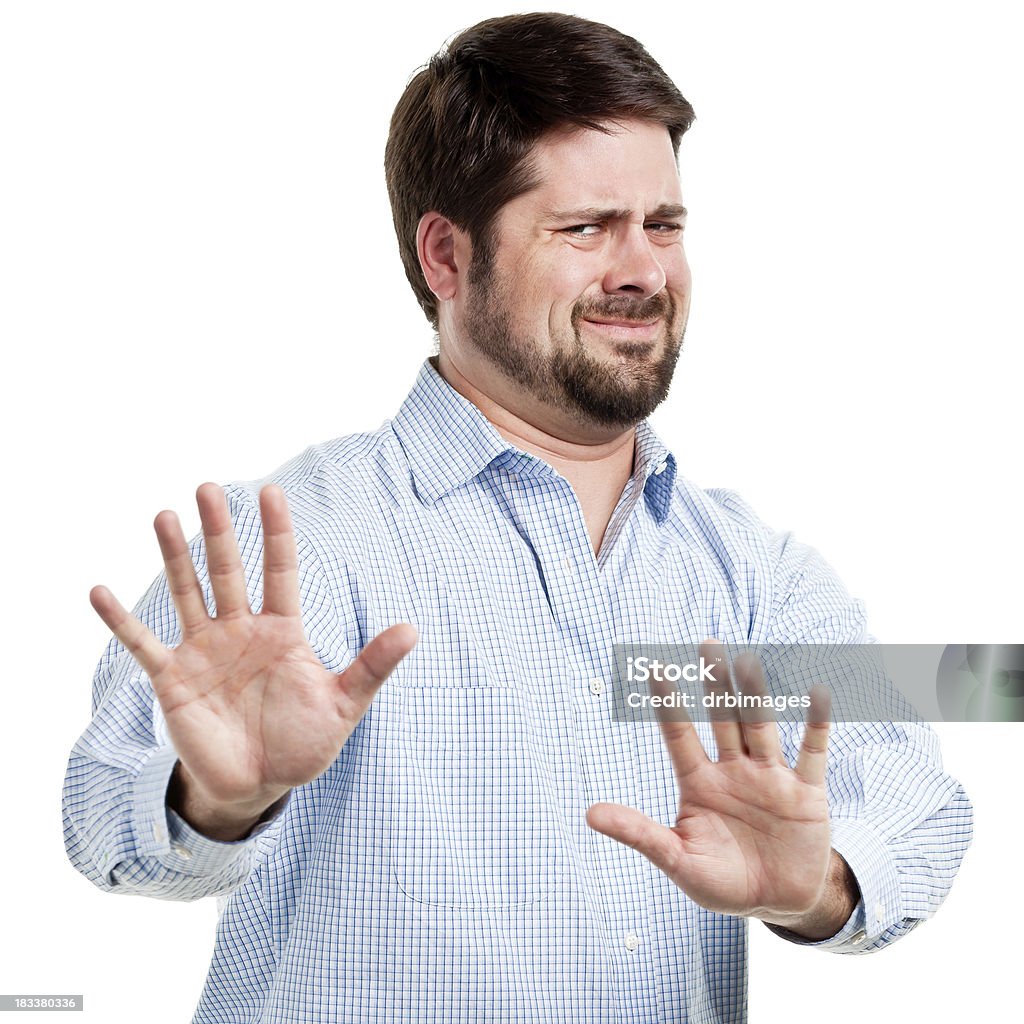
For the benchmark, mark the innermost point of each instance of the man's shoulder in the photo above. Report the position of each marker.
(351, 474)
(717, 513)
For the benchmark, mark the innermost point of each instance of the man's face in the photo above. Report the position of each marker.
(584, 302)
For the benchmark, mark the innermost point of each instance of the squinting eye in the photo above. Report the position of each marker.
(583, 230)
(665, 229)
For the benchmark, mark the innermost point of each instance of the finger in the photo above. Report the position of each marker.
(181, 573)
(813, 757)
(760, 731)
(684, 745)
(659, 844)
(724, 720)
(222, 559)
(139, 641)
(379, 658)
(280, 562)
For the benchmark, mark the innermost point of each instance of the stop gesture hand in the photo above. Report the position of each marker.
(751, 837)
(250, 709)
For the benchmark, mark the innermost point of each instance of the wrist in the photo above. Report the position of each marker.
(224, 822)
(838, 900)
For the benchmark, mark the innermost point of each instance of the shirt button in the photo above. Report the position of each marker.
(567, 562)
(632, 942)
(858, 938)
(660, 469)
(879, 911)
(159, 833)
(597, 687)
(183, 852)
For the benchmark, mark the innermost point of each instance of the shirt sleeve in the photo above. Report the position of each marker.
(901, 823)
(118, 831)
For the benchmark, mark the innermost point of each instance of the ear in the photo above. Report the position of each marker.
(444, 253)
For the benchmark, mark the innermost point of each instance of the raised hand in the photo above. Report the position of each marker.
(751, 837)
(250, 709)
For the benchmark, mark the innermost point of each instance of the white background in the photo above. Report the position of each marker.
(198, 278)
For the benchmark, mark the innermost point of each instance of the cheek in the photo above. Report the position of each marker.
(678, 280)
(547, 284)
(555, 290)
(677, 270)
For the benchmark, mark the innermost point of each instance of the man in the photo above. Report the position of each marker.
(400, 773)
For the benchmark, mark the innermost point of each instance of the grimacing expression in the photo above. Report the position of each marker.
(584, 299)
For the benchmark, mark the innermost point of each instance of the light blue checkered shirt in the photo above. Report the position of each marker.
(441, 869)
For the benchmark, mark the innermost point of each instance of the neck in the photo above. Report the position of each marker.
(596, 468)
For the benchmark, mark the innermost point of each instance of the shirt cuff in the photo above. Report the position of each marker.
(851, 935)
(874, 868)
(165, 835)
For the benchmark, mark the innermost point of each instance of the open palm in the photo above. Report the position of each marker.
(751, 836)
(250, 709)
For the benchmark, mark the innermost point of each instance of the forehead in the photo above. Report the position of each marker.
(632, 162)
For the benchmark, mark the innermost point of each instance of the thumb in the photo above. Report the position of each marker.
(378, 659)
(660, 845)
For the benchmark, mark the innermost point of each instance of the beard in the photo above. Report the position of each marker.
(618, 394)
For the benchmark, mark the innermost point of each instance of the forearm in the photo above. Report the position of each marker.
(900, 822)
(119, 835)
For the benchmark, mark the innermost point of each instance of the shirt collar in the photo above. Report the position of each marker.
(446, 438)
(448, 441)
(654, 468)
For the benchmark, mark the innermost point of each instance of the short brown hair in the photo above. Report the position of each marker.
(462, 131)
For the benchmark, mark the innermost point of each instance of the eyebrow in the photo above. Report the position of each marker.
(596, 214)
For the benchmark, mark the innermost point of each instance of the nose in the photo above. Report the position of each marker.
(634, 266)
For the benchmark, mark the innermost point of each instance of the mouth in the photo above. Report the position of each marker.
(626, 330)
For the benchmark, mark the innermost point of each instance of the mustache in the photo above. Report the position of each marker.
(623, 307)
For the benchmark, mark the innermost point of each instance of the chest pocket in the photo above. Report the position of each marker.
(475, 819)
